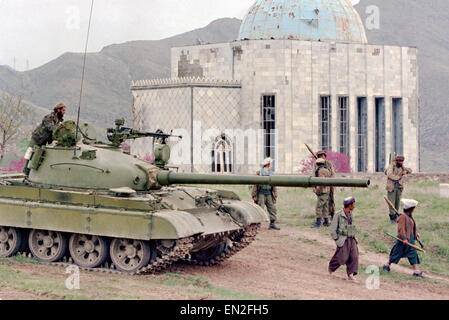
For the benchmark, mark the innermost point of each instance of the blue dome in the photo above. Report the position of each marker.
(325, 20)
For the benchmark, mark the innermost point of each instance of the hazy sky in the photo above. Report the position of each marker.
(41, 30)
(37, 31)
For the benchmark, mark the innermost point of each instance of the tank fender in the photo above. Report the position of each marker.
(169, 224)
(246, 213)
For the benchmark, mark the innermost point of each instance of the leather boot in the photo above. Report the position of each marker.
(273, 226)
(393, 219)
(326, 222)
(317, 223)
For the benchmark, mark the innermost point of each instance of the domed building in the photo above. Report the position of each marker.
(326, 20)
(301, 72)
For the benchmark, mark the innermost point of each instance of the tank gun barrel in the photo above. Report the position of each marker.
(166, 178)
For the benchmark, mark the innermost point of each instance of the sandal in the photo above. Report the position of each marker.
(419, 275)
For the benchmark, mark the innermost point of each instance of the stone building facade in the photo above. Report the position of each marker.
(343, 95)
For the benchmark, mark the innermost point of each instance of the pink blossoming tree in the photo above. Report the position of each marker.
(341, 162)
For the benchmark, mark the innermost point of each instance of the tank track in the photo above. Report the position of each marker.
(181, 250)
(239, 241)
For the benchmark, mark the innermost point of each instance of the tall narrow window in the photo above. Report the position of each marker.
(325, 123)
(362, 138)
(222, 155)
(269, 125)
(398, 128)
(343, 112)
(380, 134)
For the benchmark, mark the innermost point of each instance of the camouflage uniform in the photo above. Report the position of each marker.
(322, 193)
(331, 204)
(266, 195)
(395, 186)
(43, 134)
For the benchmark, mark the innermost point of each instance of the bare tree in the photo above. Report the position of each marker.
(14, 114)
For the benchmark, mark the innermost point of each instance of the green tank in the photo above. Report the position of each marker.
(94, 205)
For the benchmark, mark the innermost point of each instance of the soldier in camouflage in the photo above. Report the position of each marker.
(266, 194)
(395, 184)
(330, 167)
(43, 134)
(322, 193)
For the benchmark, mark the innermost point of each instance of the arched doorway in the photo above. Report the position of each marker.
(222, 155)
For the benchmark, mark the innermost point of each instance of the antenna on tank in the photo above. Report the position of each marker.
(82, 80)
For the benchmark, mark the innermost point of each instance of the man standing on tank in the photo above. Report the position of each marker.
(43, 134)
(266, 194)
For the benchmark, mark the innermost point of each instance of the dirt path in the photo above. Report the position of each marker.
(290, 264)
(7, 293)
(278, 265)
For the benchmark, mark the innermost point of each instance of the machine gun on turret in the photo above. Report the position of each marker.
(120, 134)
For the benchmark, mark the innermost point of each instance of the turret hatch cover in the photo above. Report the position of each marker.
(123, 192)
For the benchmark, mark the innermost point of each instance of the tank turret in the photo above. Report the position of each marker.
(101, 166)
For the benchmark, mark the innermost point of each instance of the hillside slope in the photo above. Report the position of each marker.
(422, 24)
(108, 73)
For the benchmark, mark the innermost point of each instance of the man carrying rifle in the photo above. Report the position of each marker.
(266, 194)
(408, 234)
(324, 168)
(395, 185)
(322, 193)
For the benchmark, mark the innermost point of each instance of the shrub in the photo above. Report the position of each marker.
(341, 162)
(15, 166)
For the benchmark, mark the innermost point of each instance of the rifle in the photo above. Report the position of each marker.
(397, 212)
(331, 193)
(311, 151)
(409, 244)
(120, 134)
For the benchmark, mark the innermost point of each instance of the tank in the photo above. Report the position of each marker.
(89, 203)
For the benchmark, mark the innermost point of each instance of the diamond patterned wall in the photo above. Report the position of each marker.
(172, 104)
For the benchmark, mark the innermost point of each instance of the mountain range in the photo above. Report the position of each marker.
(106, 96)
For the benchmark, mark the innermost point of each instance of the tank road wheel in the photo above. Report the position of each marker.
(47, 246)
(130, 255)
(88, 251)
(207, 256)
(10, 241)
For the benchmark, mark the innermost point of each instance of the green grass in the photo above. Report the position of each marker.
(201, 287)
(394, 276)
(307, 241)
(296, 208)
(41, 286)
(53, 286)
